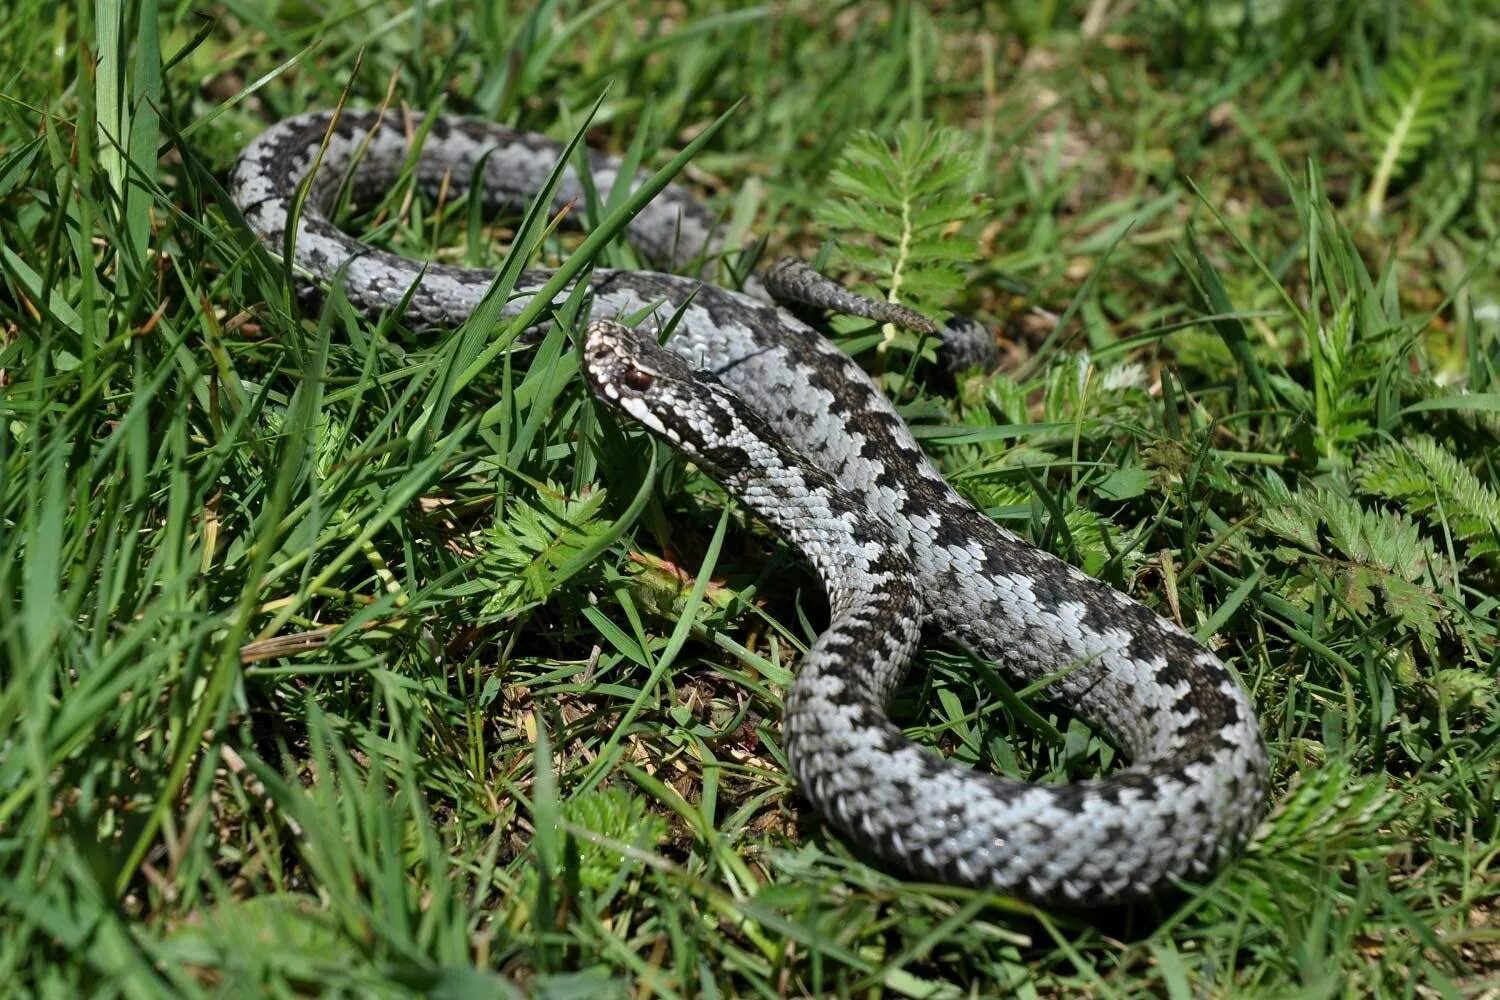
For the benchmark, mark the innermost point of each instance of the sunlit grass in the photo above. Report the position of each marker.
(336, 657)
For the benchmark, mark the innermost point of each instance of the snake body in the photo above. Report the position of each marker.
(789, 423)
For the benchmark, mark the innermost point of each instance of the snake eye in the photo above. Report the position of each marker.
(637, 379)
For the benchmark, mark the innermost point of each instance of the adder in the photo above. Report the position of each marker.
(793, 427)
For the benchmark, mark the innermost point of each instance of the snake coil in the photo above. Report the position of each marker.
(793, 427)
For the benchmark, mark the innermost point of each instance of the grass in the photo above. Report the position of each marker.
(338, 658)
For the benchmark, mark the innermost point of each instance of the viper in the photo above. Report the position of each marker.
(792, 426)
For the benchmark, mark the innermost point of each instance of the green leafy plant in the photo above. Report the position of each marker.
(1329, 808)
(897, 211)
(535, 548)
(1432, 482)
(1412, 96)
(607, 830)
(1368, 560)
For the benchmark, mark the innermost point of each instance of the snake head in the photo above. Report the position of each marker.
(628, 370)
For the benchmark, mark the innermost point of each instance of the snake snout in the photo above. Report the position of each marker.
(605, 360)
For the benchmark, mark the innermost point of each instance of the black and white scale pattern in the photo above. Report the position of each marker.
(791, 425)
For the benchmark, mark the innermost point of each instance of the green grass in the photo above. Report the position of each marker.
(338, 658)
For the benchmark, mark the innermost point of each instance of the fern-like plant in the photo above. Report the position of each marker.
(1414, 90)
(535, 548)
(896, 211)
(1369, 560)
(1431, 482)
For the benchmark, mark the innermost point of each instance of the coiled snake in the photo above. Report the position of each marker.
(792, 426)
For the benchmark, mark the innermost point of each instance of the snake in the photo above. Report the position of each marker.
(747, 388)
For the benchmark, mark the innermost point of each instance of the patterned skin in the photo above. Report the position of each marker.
(792, 426)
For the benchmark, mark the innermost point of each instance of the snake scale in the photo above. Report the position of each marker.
(791, 425)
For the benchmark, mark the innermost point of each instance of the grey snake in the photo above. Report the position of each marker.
(793, 427)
